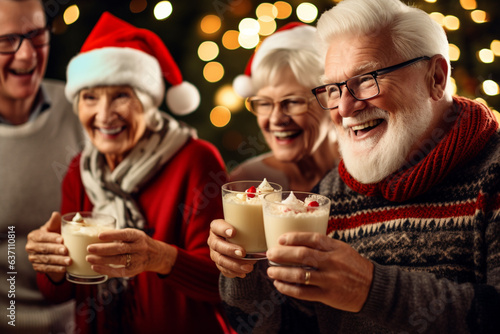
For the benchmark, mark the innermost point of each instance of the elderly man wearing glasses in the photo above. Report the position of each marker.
(38, 137)
(299, 133)
(413, 240)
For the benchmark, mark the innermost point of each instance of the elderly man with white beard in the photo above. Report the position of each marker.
(413, 239)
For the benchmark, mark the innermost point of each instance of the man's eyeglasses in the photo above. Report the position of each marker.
(361, 87)
(10, 43)
(290, 105)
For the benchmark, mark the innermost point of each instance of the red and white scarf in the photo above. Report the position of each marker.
(473, 127)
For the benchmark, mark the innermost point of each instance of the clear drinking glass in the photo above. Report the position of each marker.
(77, 236)
(244, 212)
(308, 213)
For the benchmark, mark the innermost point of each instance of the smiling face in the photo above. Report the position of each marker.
(22, 72)
(291, 138)
(114, 119)
(376, 136)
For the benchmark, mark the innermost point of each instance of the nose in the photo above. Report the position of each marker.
(26, 49)
(277, 116)
(103, 111)
(348, 105)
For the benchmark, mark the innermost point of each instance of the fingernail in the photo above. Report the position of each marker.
(59, 240)
(238, 252)
(282, 239)
(62, 250)
(66, 261)
(229, 232)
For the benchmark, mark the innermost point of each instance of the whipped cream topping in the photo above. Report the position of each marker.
(265, 187)
(78, 218)
(293, 203)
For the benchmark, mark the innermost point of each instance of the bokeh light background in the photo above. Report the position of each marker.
(213, 40)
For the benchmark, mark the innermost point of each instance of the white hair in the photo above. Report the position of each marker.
(306, 66)
(413, 32)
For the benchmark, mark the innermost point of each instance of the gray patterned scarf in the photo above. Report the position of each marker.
(112, 192)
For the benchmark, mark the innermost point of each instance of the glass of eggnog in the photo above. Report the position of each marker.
(80, 229)
(242, 203)
(294, 211)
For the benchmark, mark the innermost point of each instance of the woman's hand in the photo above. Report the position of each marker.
(128, 252)
(342, 278)
(46, 250)
(227, 256)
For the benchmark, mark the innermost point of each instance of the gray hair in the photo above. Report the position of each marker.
(414, 33)
(306, 66)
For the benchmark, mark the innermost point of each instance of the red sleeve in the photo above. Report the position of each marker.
(189, 192)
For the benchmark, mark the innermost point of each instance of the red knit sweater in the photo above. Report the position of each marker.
(178, 205)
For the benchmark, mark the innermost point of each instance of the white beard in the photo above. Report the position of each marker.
(385, 154)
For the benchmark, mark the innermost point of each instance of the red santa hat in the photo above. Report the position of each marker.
(117, 53)
(292, 36)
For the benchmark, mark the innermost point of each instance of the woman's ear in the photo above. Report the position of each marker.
(437, 77)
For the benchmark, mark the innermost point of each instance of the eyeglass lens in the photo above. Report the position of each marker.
(289, 106)
(12, 42)
(361, 87)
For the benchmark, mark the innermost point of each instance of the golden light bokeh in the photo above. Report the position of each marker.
(208, 51)
(220, 116)
(468, 4)
(230, 40)
(486, 56)
(451, 22)
(71, 14)
(438, 17)
(213, 71)
(284, 9)
(495, 47)
(479, 16)
(227, 97)
(490, 88)
(454, 52)
(266, 12)
(210, 24)
(162, 10)
(267, 27)
(248, 41)
(307, 12)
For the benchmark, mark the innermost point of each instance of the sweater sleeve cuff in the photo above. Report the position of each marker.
(384, 278)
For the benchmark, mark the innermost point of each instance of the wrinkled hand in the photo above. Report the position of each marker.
(342, 279)
(46, 250)
(227, 256)
(144, 254)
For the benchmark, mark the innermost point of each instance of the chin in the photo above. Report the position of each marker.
(385, 155)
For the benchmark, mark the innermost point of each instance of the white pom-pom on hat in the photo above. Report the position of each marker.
(292, 36)
(118, 53)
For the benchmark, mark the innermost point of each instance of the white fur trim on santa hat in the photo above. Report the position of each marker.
(183, 99)
(243, 85)
(111, 66)
(300, 37)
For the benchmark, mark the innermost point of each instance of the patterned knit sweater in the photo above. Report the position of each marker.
(436, 256)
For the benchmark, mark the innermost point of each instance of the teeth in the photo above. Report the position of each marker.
(283, 134)
(366, 125)
(110, 131)
(22, 70)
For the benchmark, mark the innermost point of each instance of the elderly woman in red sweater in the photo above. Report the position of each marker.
(154, 176)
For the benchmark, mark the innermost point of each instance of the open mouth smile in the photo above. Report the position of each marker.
(111, 131)
(365, 127)
(283, 135)
(22, 71)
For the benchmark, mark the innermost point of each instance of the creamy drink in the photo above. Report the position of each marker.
(242, 202)
(78, 231)
(298, 212)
